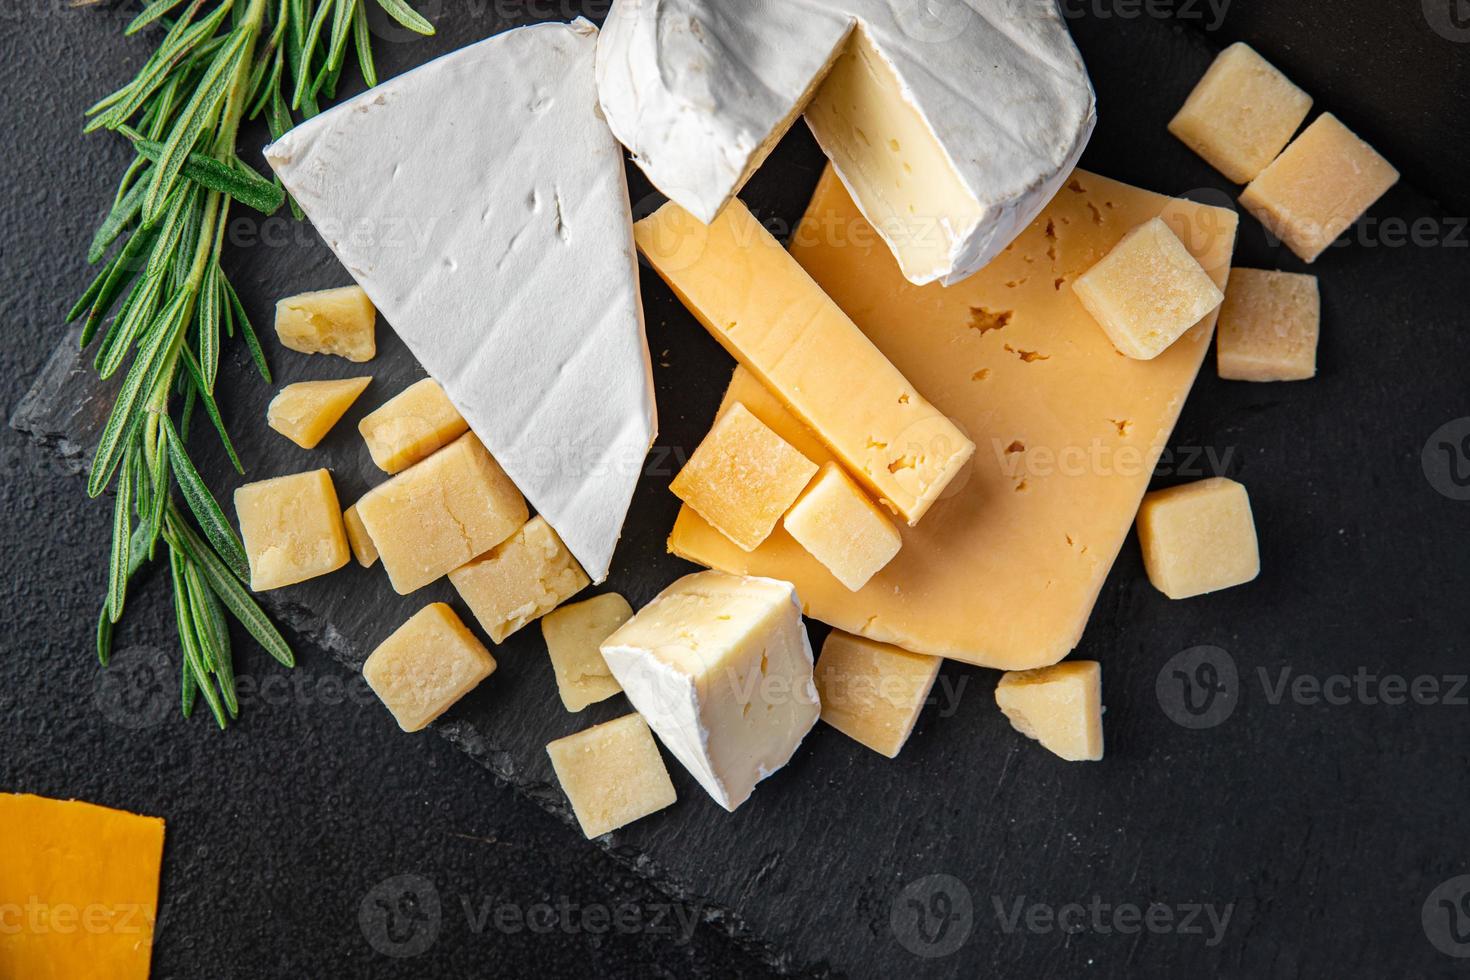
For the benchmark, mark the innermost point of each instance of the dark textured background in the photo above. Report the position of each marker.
(1328, 826)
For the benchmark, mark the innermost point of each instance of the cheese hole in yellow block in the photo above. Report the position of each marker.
(411, 425)
(1241, 114)
(842, 528)
(743, 477)
(1147, 291)
(331, 321)
(612, 774)
(1323, 182)
(1198, 538)
(358, 538)
(306, 411)
(1059, 706)
(441, 513)
(873, 692)
(767, 311)
(573, 634)
(292, 529)
(78, 890)
(519, 580)
(1268, 326)
(426, 665)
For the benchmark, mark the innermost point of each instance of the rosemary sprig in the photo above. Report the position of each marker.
(167, 303)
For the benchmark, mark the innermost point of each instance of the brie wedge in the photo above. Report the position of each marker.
(482, 204)
(952, 122)
(721, 669)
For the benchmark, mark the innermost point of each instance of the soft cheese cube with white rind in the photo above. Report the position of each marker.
(1268, 326)
(902, 97)
(409, 426)
(306, 411)
(767, 312)
(292, 529)
(840, 526)
(743, 477)
(1241, 114)
(573, 635)
(721, 668)
(361, 542)
(1199, 537)
(872, 692)
(426, 665)
(502, 254)
(331, 321)
(519, 580)
(440, 513)
(1147, 291)
(1322, 183)
(612, 774)
(1005, 570)
(1060, 707)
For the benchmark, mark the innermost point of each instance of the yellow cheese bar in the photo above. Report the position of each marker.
(769, 314)
(78, 890)
(1005, 569)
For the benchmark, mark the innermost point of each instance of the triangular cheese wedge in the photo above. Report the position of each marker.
(481, 202)
(306, 411)
(952, 122)
(1060, 707)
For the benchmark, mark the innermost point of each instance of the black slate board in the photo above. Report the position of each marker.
(1272, 811)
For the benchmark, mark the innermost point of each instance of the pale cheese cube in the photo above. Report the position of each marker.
(363, 548)
(521, 579)
(743, 477)
(721, 668)
(411, 425)
(1147, 291)
(1323, 182)
(1198, 538)
(306, 411)
(292, 529)
(1241, 114)
(873, 692)
(841, 528)
(440, 513)
(612, 774)
(1060, 707)
(426, 665)
(331, 321)
(573, 634)
(1268, 326)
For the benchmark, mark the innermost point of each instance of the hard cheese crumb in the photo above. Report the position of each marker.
(1241, 114)
(331, 321)
(612, 774)
(411, 425)
(1059, 706)
(873, 692)
(844, 530)
(521, 579)
(292, 529)
(306, 411)
(573, 634)
(743, 477)
(1198, 538)
(428, 664)
(1268, 326)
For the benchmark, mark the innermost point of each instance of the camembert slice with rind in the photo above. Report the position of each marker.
(482, 204)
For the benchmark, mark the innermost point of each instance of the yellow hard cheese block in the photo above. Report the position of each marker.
(292, 529)
(331, 321)
(573, 634)
(1005, 569)
(839, 525)
(612, 774)
(306, 411)
(1199, 537)
(521, 579)
(1060, 707)
(426, 665)
(873, 692)
(411, 425)
(1269, 326)
(769, 314)
(78, 890)
(363, 548)
(440, 513)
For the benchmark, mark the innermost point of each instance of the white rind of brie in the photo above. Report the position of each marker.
(951, 122)
(481, 202)
(720, 666)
